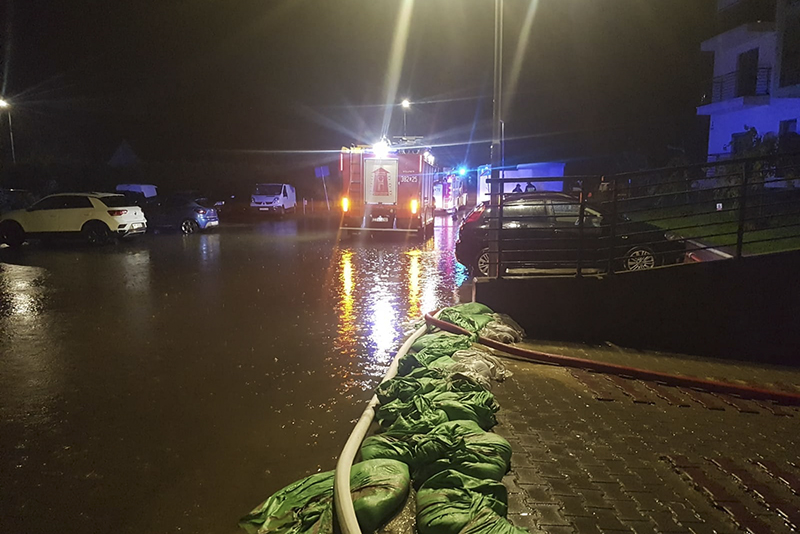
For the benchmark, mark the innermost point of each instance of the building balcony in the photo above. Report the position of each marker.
(738, 84)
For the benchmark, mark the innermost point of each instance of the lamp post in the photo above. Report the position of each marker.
(5, 105)
(496, 189)
(406, 104)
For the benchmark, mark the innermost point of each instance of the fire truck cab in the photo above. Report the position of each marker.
(387, 188)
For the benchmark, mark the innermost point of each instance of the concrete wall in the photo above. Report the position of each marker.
(746, 309)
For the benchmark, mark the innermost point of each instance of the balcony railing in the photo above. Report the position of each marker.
(738, 83)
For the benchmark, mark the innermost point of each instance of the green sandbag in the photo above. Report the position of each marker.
(428, 372)
(418, 423)
(442, 342)
(464, 447)
(419, 408)
(429, 348)
(378, 487)
(478, 406)
(422, 412)
(398, 446)
(458, 445)
(471, 322)
(449, 501)
(436, 356)
(473, 308)
(304, 506)
(405, 387)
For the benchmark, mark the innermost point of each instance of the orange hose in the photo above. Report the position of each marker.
(628, 372)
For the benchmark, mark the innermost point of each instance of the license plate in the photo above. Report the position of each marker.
(212, 223)
(264, 209)
(137, 225)
(380, 219)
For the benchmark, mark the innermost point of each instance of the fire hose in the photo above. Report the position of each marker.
(747, 392)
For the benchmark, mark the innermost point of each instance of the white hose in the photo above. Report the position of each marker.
(345, 512)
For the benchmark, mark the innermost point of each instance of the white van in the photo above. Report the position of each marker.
(277, 198)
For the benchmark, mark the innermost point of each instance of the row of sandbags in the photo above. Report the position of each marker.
(435, 416)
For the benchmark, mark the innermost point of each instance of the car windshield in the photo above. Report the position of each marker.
(116, 201)
(269, 189)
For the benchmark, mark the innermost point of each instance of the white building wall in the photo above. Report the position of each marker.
(763, 118)
(729, 45)
(764, 113)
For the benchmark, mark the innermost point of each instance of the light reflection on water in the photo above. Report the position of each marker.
(111, 357)
(21, 322)
(384, 283)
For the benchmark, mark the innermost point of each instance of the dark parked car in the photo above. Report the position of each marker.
(542, 230)
(15, 199)
(189, 214)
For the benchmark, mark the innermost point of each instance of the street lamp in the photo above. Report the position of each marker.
(5, 105)
(406, 105)
(495, 192)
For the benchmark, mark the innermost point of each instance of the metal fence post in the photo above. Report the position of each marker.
(613, 230)
(742, 209)
(500, 234)
(581, 217)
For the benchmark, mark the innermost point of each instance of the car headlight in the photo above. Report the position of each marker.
(672, 237)
(277, 199)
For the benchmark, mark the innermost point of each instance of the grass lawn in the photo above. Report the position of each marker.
(719, 228)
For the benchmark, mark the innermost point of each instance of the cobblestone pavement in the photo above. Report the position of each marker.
(594, 453)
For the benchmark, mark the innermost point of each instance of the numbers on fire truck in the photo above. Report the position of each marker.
(409, 179)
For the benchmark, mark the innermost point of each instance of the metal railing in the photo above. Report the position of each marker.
(651, 219)
(738, 83)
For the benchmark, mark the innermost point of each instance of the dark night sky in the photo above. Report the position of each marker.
(179, 78)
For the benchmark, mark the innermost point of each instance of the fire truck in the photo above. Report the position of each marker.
(387, 188)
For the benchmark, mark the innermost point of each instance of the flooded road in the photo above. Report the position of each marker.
(172, 383)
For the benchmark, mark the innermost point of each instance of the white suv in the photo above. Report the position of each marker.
(95, 216)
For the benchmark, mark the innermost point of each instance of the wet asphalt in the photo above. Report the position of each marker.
(171, 383)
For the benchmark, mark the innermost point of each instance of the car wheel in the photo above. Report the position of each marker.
(96, 233)
(639, 259)
(482, 263)
(189, 226)
(12, 234)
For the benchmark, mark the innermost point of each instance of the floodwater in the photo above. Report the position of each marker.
(172, 383)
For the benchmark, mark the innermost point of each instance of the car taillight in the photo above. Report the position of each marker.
(117, 213)
(200, 211)
(345, 204)
(475, 214)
